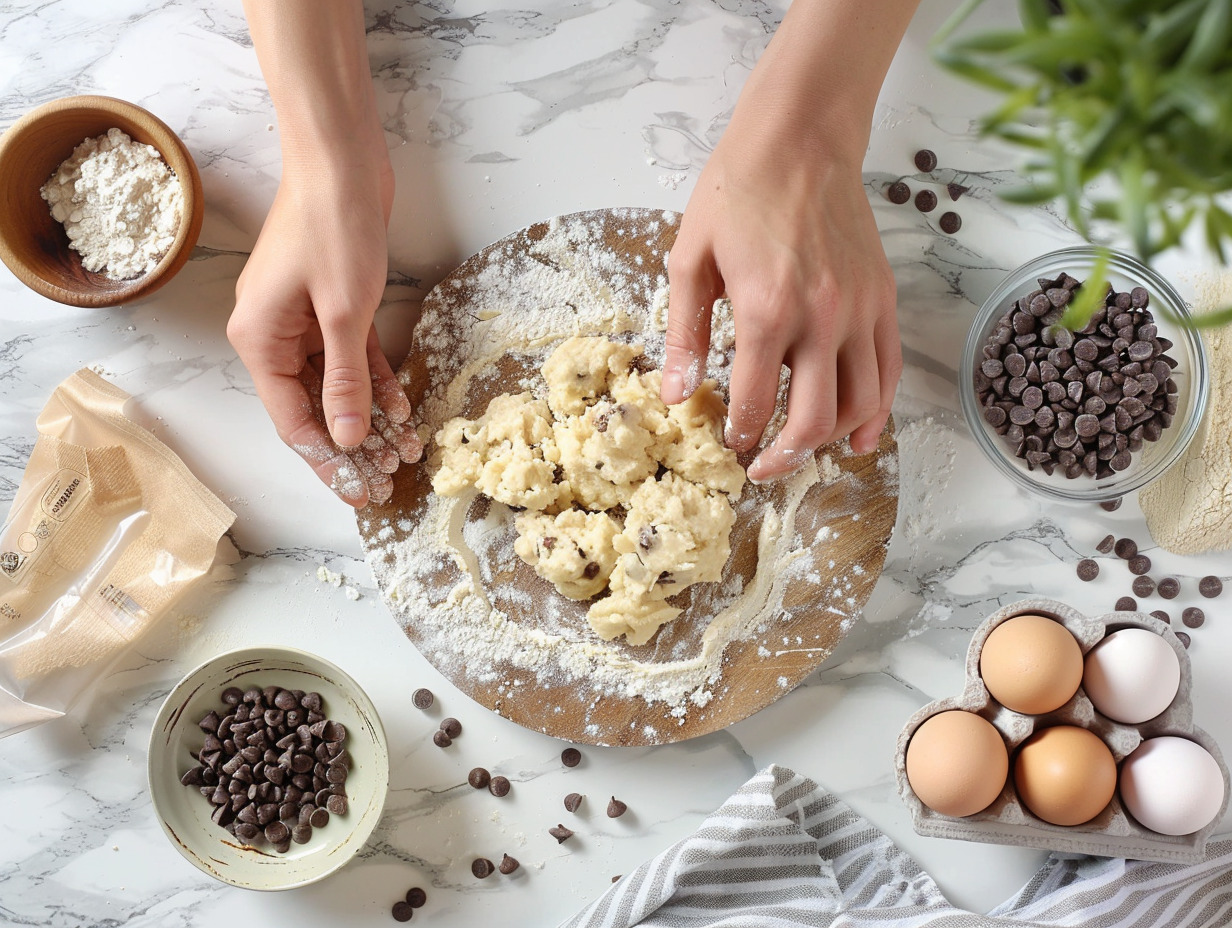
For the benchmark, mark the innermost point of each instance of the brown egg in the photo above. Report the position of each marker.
(957, 763)
(1065, 775)
(1031, 664)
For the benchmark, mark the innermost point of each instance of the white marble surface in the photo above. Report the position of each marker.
(498, 116)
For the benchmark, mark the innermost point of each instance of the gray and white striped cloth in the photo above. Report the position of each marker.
(782, 852)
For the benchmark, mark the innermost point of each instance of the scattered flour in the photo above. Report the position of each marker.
(119, 203)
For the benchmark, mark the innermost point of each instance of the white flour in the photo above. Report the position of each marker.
(119, 203)
(448, 570)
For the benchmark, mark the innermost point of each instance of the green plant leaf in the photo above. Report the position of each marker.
(1089, 297)
(955, 19)
(1210, 37)
(973, 72)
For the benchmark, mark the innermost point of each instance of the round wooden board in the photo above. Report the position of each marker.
(841, 528)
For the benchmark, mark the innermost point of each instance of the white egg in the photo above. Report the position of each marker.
(1132, 675)
(1172, 785)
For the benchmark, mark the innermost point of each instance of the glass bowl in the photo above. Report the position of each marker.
(1191, 376)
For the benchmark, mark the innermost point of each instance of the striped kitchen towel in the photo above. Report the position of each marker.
(782, 852)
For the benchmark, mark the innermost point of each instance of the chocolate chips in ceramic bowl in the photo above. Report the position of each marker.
(1077, 403)
(272, 765)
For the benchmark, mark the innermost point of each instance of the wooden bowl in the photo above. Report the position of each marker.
(35, 246)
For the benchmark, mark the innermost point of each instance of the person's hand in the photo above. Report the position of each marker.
(303, 327)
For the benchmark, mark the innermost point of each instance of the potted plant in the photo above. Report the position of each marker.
(1124, 108)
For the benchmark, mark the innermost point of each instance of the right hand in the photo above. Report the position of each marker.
(303, 326)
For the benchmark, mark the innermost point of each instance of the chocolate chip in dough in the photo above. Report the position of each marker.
(926, 160)
(1143, 586)
(926, 201)
(616, 808)
(573, 802)
(1106, 545)
(1139, 564)
(1210, 586)
(1126, 604)
(1193, 617)
(950, 223)
(416, 897)
(507, 865)
(482, 868)
(570, 757)
(898, 193)
(423, 698)
(561, 833)
(451, 727)
(1125, 548)
(1169, 587)
(499, 787)
(1088, 570)
(479, 778)
(402, 912)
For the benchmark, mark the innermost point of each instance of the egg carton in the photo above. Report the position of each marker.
(1112, 833)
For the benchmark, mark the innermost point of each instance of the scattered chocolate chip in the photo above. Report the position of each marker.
(479, 778)
(1126, 604)
(402, 912)
(573, 801)
(482, 868)
(1125, 548)
(926, 201)
(1162, 616)
(1193, 617)
(561, 833)
(1111, 505)
(926, 160)
(898, 192)
(416, 897)
(508, 865)
(616, 808)
(1143, 586)
(1139, 564)
(452, 727)
(423, 698)
(1169, 587)
(955, 190)
(499, 787)
(570, 757)
(1183, 639)
(616, 878)
(441, 740)
(950, 223)
(1106, 545)
(1210, 586)
(1088, 570)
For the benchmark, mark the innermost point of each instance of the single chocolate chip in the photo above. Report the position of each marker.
(570, 757)
(573, 801)
(1106, 545)
(1125, 548)
(1183, 639)
(616, 808)
(451, 727)
(1139, 564)
(1162, 616)
(441, 740)
(319, 817)
(955, 190)
(507, 865)
(482, 868)
(1169, 587)
(1210, 586)
(926, 201)
(1193, 617)
(950, 223)
(416, 897)
(336, 804)
(561, 833)
(499, 787)
(1126, 604)
(898, 192)
(402, 912)
(926, 160)
(479, 778)
(423, 698)
(1143, 586)
(1087, 569)
(232, 695)
(1111, 505)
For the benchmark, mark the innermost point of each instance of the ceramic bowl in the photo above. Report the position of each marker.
(35, 246)
(184, 813)
(1191, 375)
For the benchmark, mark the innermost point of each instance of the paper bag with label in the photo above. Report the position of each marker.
(107, 531)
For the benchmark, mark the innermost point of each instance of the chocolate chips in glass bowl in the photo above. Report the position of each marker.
(1082, 403)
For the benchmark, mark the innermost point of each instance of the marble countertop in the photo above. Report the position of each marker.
(498, 117)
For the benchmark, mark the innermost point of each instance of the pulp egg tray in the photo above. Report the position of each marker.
(1112, 833)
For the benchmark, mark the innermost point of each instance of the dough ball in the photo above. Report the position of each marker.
(604, 453)
(698, 454)
(581, 369)
(572, 549)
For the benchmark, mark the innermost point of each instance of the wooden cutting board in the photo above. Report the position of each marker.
(525, 652)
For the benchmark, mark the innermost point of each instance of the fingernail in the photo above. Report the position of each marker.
(348, 429)
(673, 385)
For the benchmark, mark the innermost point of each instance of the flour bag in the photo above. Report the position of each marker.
(108, 530)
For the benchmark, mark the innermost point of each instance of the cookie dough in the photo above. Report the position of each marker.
(623, 493)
